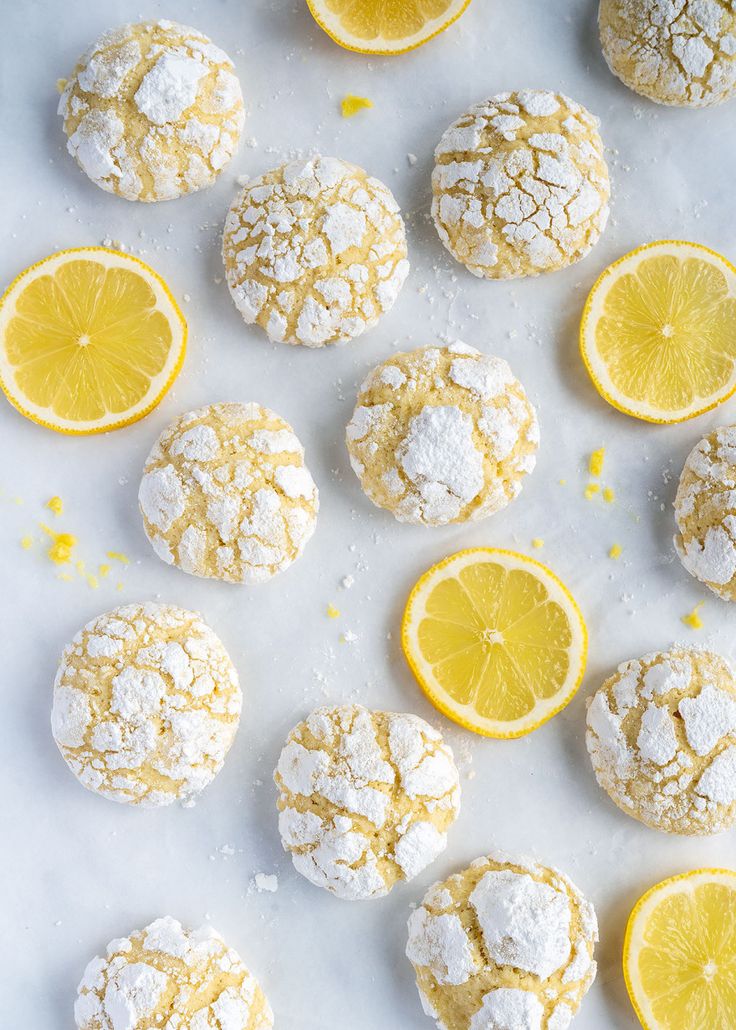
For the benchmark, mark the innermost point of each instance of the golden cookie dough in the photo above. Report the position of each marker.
(146, 705)
(442, 434)
(506, 943)
(315, 252)
(520, 185)
(225, 494)
(152, 111)
(680, 52)
(662, 739)
(365, 799)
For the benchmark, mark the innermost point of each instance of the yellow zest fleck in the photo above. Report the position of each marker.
(608, 495)
(104, 571)
(537, 542)
(60, 551)
(615, 551)
(692, 619)
(27, 543)
(18, 500)
(595, 465)
(65, 576)
(56, 505)
(332, 611)
(118, 586)
(92, 581)
(351, 105)
(562, 482)
(119, 556)
(80, 567)
(591, 490)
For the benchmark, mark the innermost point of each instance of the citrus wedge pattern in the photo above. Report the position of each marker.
(384, 26)
(495, 640)
(658, 334)
(90, 340)
(680, 953)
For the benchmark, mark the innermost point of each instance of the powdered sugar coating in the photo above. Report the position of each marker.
(661, 734)
(152, 111)
(680, 52)
(146, 704)
(314, 251)
(705, 512)
(520, 185)
(188, 978)
(225, 494)
(505, 944)
(366, 799)
(442, 434)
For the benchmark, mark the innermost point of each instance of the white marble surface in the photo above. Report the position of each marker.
(76, 870)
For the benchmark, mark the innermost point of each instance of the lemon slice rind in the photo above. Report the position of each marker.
(331, 23)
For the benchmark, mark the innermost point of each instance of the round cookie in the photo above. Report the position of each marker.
(442, 434)
(146, 705)
(681, 53)
(520, 185)
(705, 512)
(365, 799)
(225, 494)
(314, 251)
(170, 977)
(152, 111)
(661, 733)
(506, 943)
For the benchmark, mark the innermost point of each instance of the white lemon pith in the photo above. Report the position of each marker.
(365, 799)
(442, 434)
(146, 705)
(315, 252)
(661, 734)
(680, 953)
(384, 26)
(658, 333)
(705, 512)
(225, 494)
(90, 340)
(495, 640)
(681, 53)
(152, 111)
(506, 943)
(168, 975)
(520, 185)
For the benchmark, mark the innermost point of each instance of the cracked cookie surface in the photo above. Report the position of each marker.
(442, 434)
(152, 111)
(167, 977)
(506, 943)
(225, 494)
(146, 704)
(520, 185)
(314, 251)
(661, 733)
(678, 52)
(365, 799)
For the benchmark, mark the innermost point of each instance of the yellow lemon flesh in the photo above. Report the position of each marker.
(680, 953)
(384, 26)
(658, 334)
(90, 340)
(495, 640)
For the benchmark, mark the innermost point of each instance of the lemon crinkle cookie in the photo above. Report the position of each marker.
(661, 734)
(442, 434)
(365, 799)
(705, 512)
(152, 111)
(146, 704)
(315, 251)
(170, 977)
(225, 494)
(520, 185)
(506, 944)
(679, 52)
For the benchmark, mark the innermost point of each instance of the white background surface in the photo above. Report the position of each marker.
(76, 870)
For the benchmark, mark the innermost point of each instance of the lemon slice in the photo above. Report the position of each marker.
(495, 640)
(384, 26)
(90, 340)
(680, 953)
(658, 334)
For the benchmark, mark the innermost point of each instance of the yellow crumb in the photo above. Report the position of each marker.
(26, 543)
(615, 551)
(351, 105)
(61, 85)
(537, 542)
(562, 482)
(92, 581)
(118, 556)
(61, 549)
(332, 611)
(595, 465)
(692, 619)
(591, 490)
(609, 495)
(56, 505)
(104, 570)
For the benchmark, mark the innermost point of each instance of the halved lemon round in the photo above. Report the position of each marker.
(658, 334)
(495, 640)
(680, 953)
(384, 26)
(90, 340)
